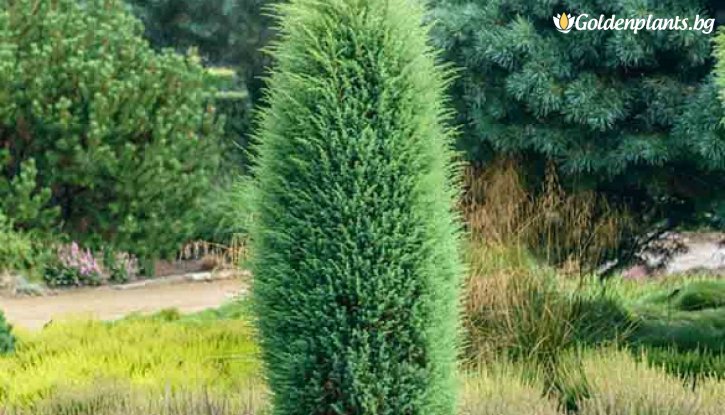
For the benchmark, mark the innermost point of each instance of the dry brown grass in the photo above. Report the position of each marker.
(513, 303)
(571, 230)
(215, 256)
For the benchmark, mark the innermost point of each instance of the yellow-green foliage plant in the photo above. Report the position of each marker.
(355, 243)
(619, 384)
(503, 388)
(109, 398)
(150, 354)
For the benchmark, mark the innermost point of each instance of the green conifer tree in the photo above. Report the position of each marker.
(630, 114)
(100, 135)
(355, 240)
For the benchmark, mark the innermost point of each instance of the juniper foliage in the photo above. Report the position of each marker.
(355, 240)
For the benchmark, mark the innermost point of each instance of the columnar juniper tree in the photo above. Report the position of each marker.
(355, 240)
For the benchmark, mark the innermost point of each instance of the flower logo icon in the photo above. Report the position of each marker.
(564, 22)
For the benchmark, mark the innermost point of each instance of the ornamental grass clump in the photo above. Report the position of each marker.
(355, 242)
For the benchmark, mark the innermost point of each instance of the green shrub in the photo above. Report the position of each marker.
(99, 133)
(354, 241)
(233, 106)
(227, 212)
(7, 340)
(226, 32)
(16, 249)
(686, 315)
(634, 116)
(120, 267)
(700, 295)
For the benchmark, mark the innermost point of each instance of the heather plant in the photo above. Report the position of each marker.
(74, 266)
(146, 354)
(503, 388)
(618, 384)
(354, 241)
(120, 267)
(115, 399)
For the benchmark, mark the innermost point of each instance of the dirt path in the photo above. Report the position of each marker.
(108, 303)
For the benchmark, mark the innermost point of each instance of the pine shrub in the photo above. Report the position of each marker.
(16, 249)
(357, 265)
(99, 134)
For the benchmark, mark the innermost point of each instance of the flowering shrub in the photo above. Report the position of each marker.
(120, 266)
(73, 267)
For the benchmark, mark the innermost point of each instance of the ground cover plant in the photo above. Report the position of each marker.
(150, 354)
(207, 363)
(525, 311)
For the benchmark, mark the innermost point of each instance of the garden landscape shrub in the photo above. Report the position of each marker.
(354, 241)
(100, 135)
(16, 249)
(73, 266)
(7, 340)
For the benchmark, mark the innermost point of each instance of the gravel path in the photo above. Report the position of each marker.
(107, 303)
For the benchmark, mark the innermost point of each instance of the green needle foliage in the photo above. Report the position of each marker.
(357, 266)
(99, 134)
(631, 114)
